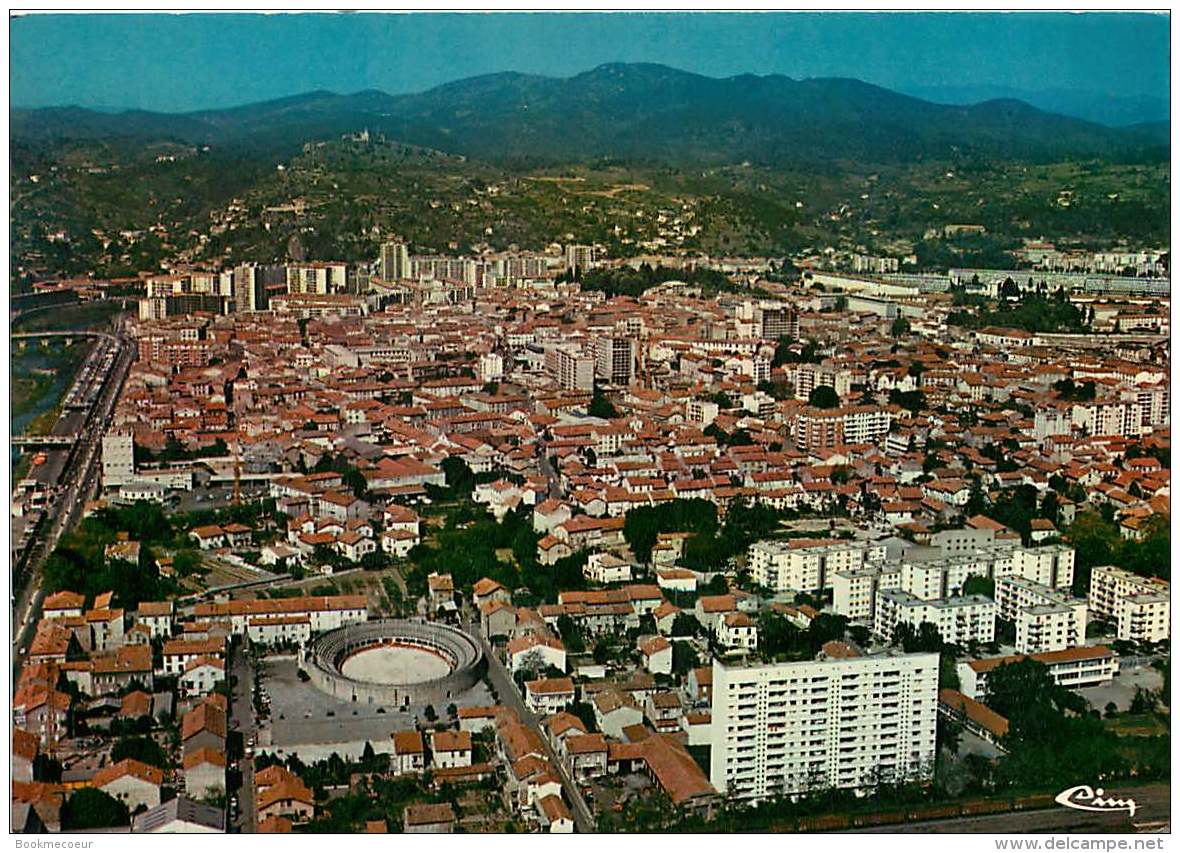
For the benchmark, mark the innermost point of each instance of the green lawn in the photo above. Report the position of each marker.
(1137, 725)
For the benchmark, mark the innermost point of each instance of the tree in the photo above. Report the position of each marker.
(979, 585)
(826, 627)
(685, 625)
(717, 585)
(782, 351)
(143, 749)
(460, 478)
(643, 525)
(823, 397)
(925, 638)
(601, 407)
(92, 808)
(684, 658)
(532, 664)
(1144, 702)
(900, 326)
(584, 711)
(571, 636)
(860, 635)
(429, 713)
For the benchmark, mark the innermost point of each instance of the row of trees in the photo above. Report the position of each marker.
(1047, 721)
(1098, 542)
(628, 282)
(471, 546)
(1032, 312)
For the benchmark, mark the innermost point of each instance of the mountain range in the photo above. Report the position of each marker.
(636, 113)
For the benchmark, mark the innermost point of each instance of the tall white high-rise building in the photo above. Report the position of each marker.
(614, 359)
(573, 369)
(579, 259)
(395, 261)
(118, 460)
(318, 277)
(248, 289)
(842, 722)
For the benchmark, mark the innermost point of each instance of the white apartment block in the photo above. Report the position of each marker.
(1049, 565)
(957, 555)
(579, 258)
(1138, 606)
(1046, 619)
(317, 277)
(1109, 417)
(959, 539)
(1049, 628)
(854, 591)
(810, 376)
(959, 620)
(774, 320)
(572, 369)
(118, 460)
(702, 412)
(614, 359)
(1154, 404)
(1052, 420)
(807, 565)
(787, 728)
(491, 367)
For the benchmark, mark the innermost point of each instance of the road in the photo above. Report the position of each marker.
(548, 472)
(79, 479)
(1153, 802)
(241, 719)
(506, 689)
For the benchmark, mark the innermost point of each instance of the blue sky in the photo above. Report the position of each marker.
(196, 61)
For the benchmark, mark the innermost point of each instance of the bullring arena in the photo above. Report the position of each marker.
(394, 662)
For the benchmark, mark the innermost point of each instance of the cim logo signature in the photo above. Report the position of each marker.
(1087, 799)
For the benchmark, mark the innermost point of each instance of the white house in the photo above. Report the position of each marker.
(548, 695)
(450, 748)
(615, 711)
(409, 753)
(546, 650)
(209, 536)
(607, 568)
(657, 655)
(201, 675)
(555, 814)
(738, 631)
(204, 772)
(135, 783)
(677, 580)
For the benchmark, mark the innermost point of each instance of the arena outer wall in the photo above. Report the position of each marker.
(322, 658)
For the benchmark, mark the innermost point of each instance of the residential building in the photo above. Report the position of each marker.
(846, 722)
(960, 620)
(1139, 607)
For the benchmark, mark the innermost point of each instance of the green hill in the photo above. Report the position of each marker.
(638, 113)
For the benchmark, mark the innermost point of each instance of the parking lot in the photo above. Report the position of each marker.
(217, 495)
(1121, 691)
(318, 724)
